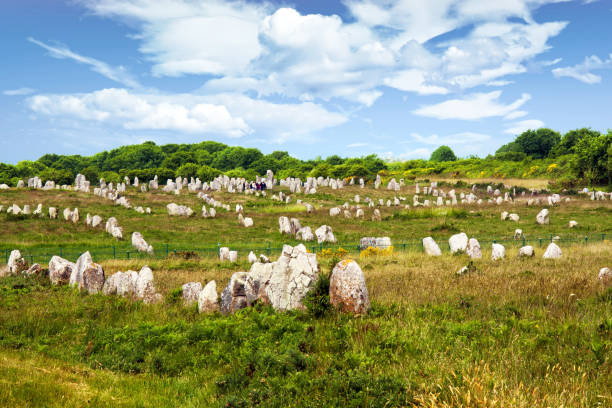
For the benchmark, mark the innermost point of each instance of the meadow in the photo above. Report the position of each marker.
(521, 332)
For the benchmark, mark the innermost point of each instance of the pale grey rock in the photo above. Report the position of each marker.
(208, 300)
(35, 269)
(526, 251)
(375, 242)
(543, 217)
(191, 293)
(224, 254)
(179, 210)
(284, 226)
(518, 233)
(376, 215)
(60, 270)
(498, 252)
(305, 234)
(573, 224)
(458, 243)
(430, 247)
(52, 213)
(233, 297)
(605, 275)
(325, 234)
(514, 217)
(233, 256)
(96, 221)
(140, 244)
(16, 263)
(87, 275)
(504, 215)
(552, 252)
(347, 288)
(473, 249)
(252, 257)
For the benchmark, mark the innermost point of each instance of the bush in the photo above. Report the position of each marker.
(443, 154)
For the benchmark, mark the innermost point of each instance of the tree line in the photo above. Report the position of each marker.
(587, 155)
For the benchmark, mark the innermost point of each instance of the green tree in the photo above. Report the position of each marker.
(591, 158)
(538, 143)
(207, 173)
(569, 140)
(187, 170)
(443, 154)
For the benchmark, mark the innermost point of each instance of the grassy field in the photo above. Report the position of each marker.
(513, 333)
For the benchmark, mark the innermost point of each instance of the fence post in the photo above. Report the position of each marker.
(114, 252)
(128, 254)
(167, 250)
(586, 240)
(603, 237)
(540, 242)
(551, 237)
(523, 240)
(269, 248)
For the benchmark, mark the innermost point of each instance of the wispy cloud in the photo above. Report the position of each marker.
(454, 139)
(118, 74)
(519, 127)
(19, 92)
(472, 107)
(582, 72)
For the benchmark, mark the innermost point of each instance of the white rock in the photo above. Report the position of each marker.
(573, 224)
(16, 263)
(458, 243)
(543, 217)
(347, 288)
(473, 249)
(208, 300)
(191, 292)
(140, 244)
(526, 251)
(60, 270)
(514, 217)
(431, 247)
(498, 252)
(605, 275)
(325, 234)
(552, 252)
(252, 257)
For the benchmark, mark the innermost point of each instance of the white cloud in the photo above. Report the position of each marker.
(519, 127)
(255, 47)
(356, 145)
(454, 139)
(516, 114)
(232, 115)
(582, 72)
(472, 107)
(19, 92)
(117, 74)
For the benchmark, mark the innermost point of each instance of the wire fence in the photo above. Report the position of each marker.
(123, 252)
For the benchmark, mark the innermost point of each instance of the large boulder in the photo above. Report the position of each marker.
(284, 225)
(191, 292)
(605, 275)
(87, 275)
(60, 270)
(473, 249)
(498, 252)
(145, 288)
(284, 283)
(458, 243)
(16, 263)
(325, 234)
(140, 244)
(179, 210)
(543, 217)
(35, 269)
(208, 300)
(526, 251)
(347, 288)
(380, 242)
(224, 254)
(234, 296)
(305, 234)
(430, 247)
(552, 252)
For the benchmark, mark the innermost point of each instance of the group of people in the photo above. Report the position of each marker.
(254, 186)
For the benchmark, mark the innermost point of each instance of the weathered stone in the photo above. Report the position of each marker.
(284, 226)
(16, 263)
(498, 252)
(60, 270)
(514, 217)
(543, 217)
(504, 215)
(518, 233)
(179, 210)
(140, 244)
(224, 254)
(233, 256)
(552, 252)
(252, 257)
(191, 292)
(35, 269)
(573, 224)
(234, 297)
(473, 249)
(347, 288)
(52, 213)
(526, 251)
(605, 275)
(305, 234)
(380, 242)
(87, 275)
(208, 300)
(431, 247)
(96, 221)
(376, 215)
(458, 243)
(325, 234)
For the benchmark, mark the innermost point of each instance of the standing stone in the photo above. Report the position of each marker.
(473, 249)
(552, 252)
(87, 275)
(430, 247)
(52, 213)
(35, 269)
(325, 234)
(191, 292)
(252, 257)
(376, 215)
(234, 297)
(605, 275)
(208, 300)
(233, 256)
(498, 252)
(518, 233)
(224, 254)
(573, 224)
(347, 288)
(16, 263)
(140, 244)
(514, 217)
(543, 217)
(526, 251)
(60, 270)
(458, 243)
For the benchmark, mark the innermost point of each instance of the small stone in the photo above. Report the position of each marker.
(543, 217)
(191, 292)
(498, 252)
(526, 251)
(552, 252)
(208, 300)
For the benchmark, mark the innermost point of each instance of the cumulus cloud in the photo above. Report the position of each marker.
(472, 107)
(117, 74)
(19, 92)
(582, 72)
(255, 47)
(519, 127)
(231, 115)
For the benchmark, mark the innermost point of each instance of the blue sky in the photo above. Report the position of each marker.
(393, 77)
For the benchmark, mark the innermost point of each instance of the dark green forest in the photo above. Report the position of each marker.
(581, 156)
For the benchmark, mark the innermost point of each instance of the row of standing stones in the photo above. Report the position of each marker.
(283, 284)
